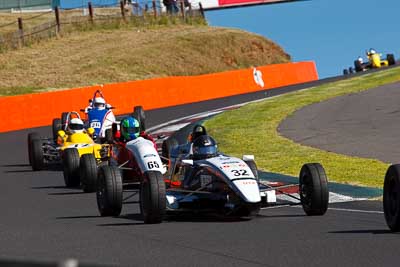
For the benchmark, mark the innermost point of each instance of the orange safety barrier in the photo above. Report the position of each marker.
(38, 109)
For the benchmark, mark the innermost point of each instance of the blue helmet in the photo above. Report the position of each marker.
(130, 128)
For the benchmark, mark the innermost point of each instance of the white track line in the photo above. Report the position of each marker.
(360, 211)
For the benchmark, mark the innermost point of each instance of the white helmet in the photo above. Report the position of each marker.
(99, 103)
(75, 125)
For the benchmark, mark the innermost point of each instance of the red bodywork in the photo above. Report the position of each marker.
(121, 154)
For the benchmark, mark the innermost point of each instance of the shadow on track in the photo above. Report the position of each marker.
(373, 231)
(50, 187)
(78, 217)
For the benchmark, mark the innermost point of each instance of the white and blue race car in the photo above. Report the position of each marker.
(201, 179)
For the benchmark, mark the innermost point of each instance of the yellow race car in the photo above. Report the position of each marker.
(73, 147)
(374, 61)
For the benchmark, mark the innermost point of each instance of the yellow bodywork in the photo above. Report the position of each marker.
(83, 142)
(376, 62)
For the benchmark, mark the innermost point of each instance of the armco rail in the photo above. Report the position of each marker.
(34, 110)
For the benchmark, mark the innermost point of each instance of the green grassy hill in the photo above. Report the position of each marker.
(101, 55)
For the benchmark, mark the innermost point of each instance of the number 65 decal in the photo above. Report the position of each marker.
(153, 164)
(240, 172)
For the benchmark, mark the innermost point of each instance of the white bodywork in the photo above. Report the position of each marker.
(146, 155)
(241, 176)
(109, 119)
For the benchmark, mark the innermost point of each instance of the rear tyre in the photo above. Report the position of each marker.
(390, 59)
(109, 191)
(313, 189)
(138, 113)
(345, 72)
(37, 155)
(64, 122)
(56, 126)
(88, 173)
(152, 197)
(71, 167)
(358, 66)
(167, 146)
(391, 197)
(31, 137)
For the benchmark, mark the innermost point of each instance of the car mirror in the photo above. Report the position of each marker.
(248, 157)
(187, 162)
(61, 133)
(90, 131)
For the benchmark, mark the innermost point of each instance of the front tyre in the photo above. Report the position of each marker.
(88, 173)
(109, 191)
(31, 137)
(391, 197)
(253, 167)
(71, 167)
(313, 189)
(152, 197)
(37, 155)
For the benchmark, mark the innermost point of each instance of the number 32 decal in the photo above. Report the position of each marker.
(240, 172)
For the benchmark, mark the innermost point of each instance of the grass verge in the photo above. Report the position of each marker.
(252, 129)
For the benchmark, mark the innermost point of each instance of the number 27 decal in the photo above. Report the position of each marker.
(240, 172)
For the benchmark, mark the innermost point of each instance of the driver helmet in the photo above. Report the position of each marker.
(99, 103)
(130, 128)
(371, 51)
(204, 147)
(198, 131)
(75, 126)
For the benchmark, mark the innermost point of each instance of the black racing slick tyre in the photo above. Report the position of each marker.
(313, 189)
(108, 139)
(391, 197)
(64, 122)
(138, 113)
(358, 66)
(391, 60)
(167, 146)
(109, 191)
(152, 197)
(37, 155)
(56, 126)
(253, 167)
(88, 173)
(71, 167)
(31, 137)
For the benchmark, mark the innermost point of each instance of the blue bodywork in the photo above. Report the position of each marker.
(96, 118)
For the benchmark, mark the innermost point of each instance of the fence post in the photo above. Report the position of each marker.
(21, 31)
(182, 9)
(154, 8)
(121, 4)
(190, 10)
(90, 6)
(201, 10)
(58, 25)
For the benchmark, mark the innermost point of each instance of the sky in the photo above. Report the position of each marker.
(333, 33)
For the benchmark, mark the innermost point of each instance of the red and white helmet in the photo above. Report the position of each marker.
(75, 125)
(99, 103)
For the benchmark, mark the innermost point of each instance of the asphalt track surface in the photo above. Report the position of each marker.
(41, 220)
(365, 124)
